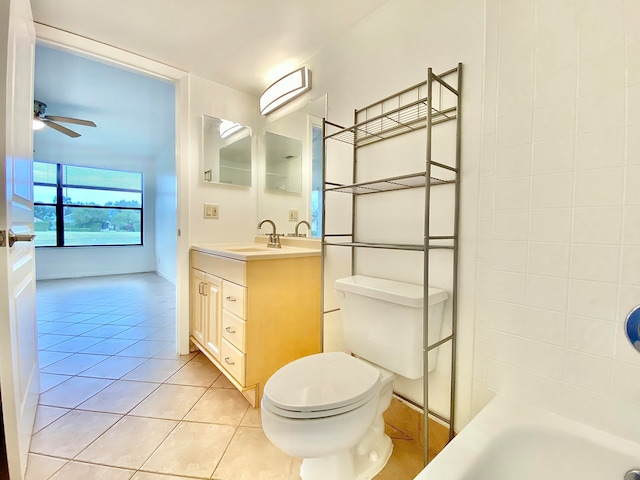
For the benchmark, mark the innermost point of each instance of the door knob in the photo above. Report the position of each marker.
(14, 237)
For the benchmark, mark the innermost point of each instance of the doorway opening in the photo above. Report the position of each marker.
(134, 135)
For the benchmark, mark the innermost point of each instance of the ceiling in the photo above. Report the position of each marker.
(135, 114)
(244, 44)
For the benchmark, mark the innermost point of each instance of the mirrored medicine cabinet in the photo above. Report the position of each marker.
(283, 163)
(226, 152)
(290, 167)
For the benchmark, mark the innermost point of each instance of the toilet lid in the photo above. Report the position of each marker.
(321, 385)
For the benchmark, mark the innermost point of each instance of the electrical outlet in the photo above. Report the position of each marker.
(293, 215)
(211, 211)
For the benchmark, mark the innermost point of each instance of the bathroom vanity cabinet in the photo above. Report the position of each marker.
(254, 312)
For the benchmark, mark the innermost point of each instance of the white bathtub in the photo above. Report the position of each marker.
(509, 440)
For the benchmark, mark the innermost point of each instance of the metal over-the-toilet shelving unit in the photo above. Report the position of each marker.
(421, 107)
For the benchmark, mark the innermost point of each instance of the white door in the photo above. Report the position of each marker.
(19, 376)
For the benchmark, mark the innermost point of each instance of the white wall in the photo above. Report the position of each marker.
(387, 52)
(559, 215)
(166, 210)
(87, 261)
(238, 205)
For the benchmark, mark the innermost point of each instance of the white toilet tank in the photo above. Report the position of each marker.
(382, 321)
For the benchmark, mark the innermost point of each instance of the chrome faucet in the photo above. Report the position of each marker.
(298, 225)
(274, 238)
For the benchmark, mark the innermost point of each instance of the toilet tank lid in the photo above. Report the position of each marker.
(402, 293)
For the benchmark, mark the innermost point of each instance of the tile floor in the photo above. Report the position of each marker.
(118, 403)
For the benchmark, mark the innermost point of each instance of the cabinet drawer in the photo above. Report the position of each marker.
(233, 298)
(233, 270)
(233, 329)
(233, 360)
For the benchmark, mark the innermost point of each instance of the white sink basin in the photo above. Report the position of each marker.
(248, 249)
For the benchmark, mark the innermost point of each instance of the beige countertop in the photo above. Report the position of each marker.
(258, 250)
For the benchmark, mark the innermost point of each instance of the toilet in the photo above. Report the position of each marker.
(327, 408)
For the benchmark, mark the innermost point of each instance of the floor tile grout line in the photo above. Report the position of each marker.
(165, 382)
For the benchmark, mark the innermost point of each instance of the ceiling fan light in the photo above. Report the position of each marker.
(284, 90)
(38, 124)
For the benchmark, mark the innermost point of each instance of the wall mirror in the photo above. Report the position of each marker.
(283, 157)
(226, 152)
(290, 168)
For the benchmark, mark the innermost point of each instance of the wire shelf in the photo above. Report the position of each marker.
(400, 113)
(386, 246)
(416, 180)
(437, 242)
(396, 122)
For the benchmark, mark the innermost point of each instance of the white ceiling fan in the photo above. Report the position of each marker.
(40, 120)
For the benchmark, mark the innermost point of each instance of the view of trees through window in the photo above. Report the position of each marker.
(75, 206)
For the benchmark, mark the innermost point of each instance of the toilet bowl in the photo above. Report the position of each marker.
(327, 408)
(333, 422)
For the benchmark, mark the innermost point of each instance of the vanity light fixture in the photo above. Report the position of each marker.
(228, 128)
(284, 90)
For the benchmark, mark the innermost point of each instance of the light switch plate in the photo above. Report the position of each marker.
(293, 215)
(211, 211)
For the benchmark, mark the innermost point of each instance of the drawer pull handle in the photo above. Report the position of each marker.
(228, 329)
(230, 298)
(226, 360)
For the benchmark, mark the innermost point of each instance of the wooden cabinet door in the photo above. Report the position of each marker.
(198, 304)
(213, 321)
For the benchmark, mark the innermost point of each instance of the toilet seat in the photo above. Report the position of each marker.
(321, 385)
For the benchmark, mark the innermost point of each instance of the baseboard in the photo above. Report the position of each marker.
(63, 276)
(168, 278)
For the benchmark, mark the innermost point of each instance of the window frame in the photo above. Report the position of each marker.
(60, 204)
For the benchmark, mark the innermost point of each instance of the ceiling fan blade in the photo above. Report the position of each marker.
(77, 121)
(60, 128)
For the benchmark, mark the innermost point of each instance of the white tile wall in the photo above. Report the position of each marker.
(545, 325)
(555, 121)
(599, 225)
(595, 262)
(631, 230)
(599, 187)
(633, 109)
(633, 65)
(592, 299)
(513, 161)
(555, 86)
(553, 156)
(600, 27)
(601, 111)
(549, 259)
(551, 190)
(604, 148)
(559, 219)
(556, 34)
(590, 335)
(590, 79)
(632, 177)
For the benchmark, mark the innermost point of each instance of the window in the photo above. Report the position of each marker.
(82, 206)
